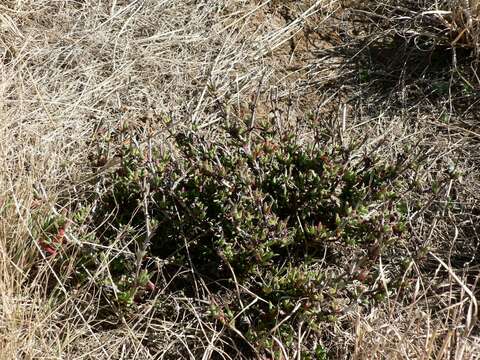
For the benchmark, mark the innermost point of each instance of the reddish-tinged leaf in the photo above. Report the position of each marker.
(50, 250)
(47, 248)
(150, 286)
(58, 239)
(363, 275)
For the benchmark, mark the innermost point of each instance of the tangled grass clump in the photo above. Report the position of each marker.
(429, 25)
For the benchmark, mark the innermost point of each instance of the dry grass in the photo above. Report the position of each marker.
(76, 71)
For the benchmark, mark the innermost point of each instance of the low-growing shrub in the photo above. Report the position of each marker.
(279, 230)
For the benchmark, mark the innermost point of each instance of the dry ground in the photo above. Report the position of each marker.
(75, 71)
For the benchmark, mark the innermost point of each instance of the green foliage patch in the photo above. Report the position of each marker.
(280, 230)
